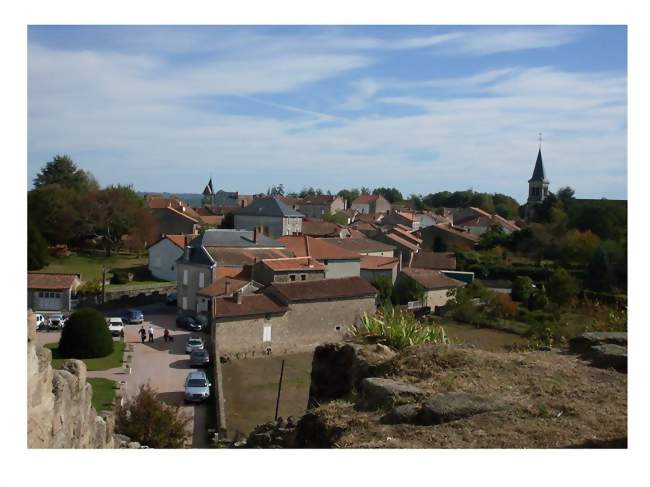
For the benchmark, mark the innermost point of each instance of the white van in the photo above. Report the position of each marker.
(41, 321)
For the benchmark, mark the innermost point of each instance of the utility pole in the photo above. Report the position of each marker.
(277, 401)
(103, 284)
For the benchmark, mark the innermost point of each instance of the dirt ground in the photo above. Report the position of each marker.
(556, 401)
(251, 387)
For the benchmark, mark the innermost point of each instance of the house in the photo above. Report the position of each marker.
(371, 203)
(408, 219)
(290, 317)
(434, 283)
(338, 261)
(317, 206)
(51, 292)
(320, 228)
(225, 285)
(215, 252)
(289, 269)
(478, 221)
(405, 248)
(426, 259)
(444, 236)
(349, 214)
(364, 246)
(271, 216)
(171, 221)
(164, 253)
(374, 267)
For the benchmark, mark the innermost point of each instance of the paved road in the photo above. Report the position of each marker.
(163, 365)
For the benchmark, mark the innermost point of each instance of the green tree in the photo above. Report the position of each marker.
(562, 287)
(36, 248)
(566, 196)
(579, 247)
(599, 271)
(522, 288)
(391, 194)
(338, 218)
(85, 335)
(384, 286)
(55, 210)
(349, 195)
(416, 202)
(63, 171)
(146, 419)
(276, 190)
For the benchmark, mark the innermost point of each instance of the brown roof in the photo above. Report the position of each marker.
(44, 280)
(446, 227)
(218, 287)
(204, 211)
(252, 305)
(346, 287)
(240, 257)
(366, 217)
(211, 219)
(366, 198)
(431, 279)
(374, 262)
(320, 228)
(294, 263)
(304, 246)
(406, 235)
(178, 240)
(426, 259)
(393, 237)
(361, 244)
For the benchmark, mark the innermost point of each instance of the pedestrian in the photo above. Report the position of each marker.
(166, 335)
(122, 334)
(151, 333)
(143, 334)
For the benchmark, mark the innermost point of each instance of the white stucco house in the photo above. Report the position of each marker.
(164, 253)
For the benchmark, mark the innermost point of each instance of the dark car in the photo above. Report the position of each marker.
(199, 358)
(188, 323)
(171, 299)
(133, 316)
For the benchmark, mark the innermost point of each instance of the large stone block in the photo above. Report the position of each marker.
(582, 343)
(608, 355)
(378, 393)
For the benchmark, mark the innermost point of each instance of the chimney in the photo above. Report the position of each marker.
(238, 297)
(227, 290)
(187, 252)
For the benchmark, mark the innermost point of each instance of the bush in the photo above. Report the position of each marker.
(522, 287)
(85, 335)
(121, 277)
(562, 287)
(90, 288)
(503, 306)
(147, 420)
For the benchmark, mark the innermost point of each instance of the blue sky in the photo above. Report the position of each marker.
(422, 108)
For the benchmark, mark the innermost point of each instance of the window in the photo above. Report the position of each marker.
(303, 277)
(292, 277)
(184, 278)
(337, 327)
(266, 334)
(201, 280)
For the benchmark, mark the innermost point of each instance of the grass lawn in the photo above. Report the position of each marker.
(103, 393)
(103, 363)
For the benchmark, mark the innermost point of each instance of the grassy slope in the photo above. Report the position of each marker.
(103, 393)
(103, 363)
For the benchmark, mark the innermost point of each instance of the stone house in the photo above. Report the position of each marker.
(51, 292)
(164, 253)
(374, 267)
(291, 269)
(338, 262)
(317, 206)
(216, 251)
(226, 284)
(371, 203)
(271, 217)
(290, 317)
(435, 285)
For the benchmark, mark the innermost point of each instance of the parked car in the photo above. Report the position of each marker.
(197, 387)
(171, 299)
(194, 343)
(203, 321)
(56, 322)
(188, 323)
(115, 326)
(133, 316)
(41, 322)
(199, 358)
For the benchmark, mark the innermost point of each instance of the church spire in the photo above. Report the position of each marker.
(538, 173)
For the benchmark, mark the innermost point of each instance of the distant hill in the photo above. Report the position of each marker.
(192, 199)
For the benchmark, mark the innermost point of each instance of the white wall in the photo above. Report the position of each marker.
(162, 260)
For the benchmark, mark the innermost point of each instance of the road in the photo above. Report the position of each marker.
(163, 365)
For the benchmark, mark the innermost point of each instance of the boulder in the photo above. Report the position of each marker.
(406, 413)
(608, 355)
(584, 342)
(385, 393)
(451, 406)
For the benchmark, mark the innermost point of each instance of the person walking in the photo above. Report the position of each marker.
(166, 335)
(143, 334)
(151, 333)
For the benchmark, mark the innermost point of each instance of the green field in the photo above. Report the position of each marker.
(103, 393)
(103, 363)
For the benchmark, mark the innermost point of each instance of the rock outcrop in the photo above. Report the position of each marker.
(603, 349)
(59, 409)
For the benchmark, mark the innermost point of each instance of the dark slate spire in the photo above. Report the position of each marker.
(208, 189)
(538, 172)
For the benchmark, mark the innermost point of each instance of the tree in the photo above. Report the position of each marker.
(55, 210)
(579, 247)
(522, 288)
(338, 218)
(384, 286)
(228, 221)
(562, 287)
(599, 271)
(63, 171)
(503, 306)
(36, 248)
(149, 421)
(416, 202)
(349, 195)
(566, 196)
(85, 335)
(391, 194)
(277, 190)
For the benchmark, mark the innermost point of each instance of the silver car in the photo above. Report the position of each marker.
(197, 387)
(194, 343)
(199, 358)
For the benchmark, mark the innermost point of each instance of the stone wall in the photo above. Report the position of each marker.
(59, 410)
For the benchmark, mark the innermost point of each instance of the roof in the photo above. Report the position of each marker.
(269, 207)
(361, 244)
(251, 305)
(377, 263)
(226, 199)
(365, 199)
(431, 279)
(211, 219)
(241, 257)
(319, 199)
(426, 259)
(222, 237)
(367, 217)
(218, 287)
(538, 173)
(446, 227)
(346, 287)
(179, 240)
(176, 212)
(304, 246)
(393, 237)
(407, 235)
(294, 264)
(320, 228)
(45, 280)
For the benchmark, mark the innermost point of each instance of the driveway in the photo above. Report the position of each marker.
(163, 365)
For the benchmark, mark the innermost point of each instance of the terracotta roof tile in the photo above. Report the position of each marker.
(294, 263)
(346, 287)
(426, 259)
(304, 246)
(361, 244)
(241, 257)
(179, 240)
(365, 198)
(319, 228)
(252, 305)
(44, 280)
(431, 279)
(218, 287)
(401, 241)
(374, 262)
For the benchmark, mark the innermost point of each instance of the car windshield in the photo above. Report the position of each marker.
(196, 383)
(199, 353)
(194, 341)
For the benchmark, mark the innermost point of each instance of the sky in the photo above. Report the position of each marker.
(420, 108)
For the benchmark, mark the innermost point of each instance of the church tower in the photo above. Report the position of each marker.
(537, 184)
(208, 195)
